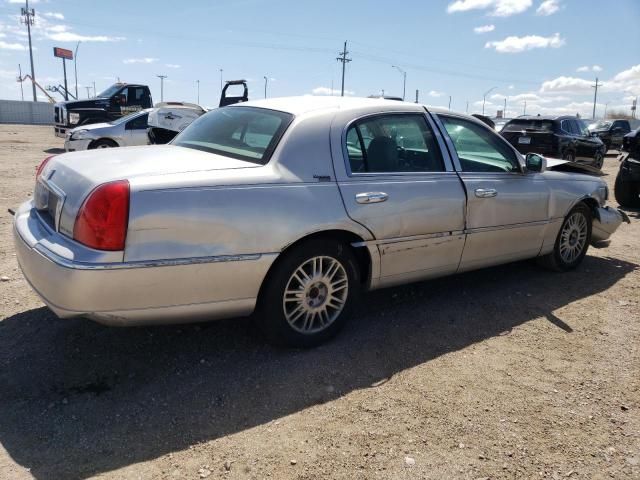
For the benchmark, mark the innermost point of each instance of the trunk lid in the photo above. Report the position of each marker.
(67, 179)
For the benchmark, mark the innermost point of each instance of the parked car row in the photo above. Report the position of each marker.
(291, 207)
(627, 186)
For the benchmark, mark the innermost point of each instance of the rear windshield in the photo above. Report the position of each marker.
(245, 133)
(518, 125)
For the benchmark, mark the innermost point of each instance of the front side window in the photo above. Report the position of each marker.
(139, 123)
(479, 149)
(245, 133)
(567, 127)
(393, 143)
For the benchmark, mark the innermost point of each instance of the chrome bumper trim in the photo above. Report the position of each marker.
(605, 222)
(169, 262)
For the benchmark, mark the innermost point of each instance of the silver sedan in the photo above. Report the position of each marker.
(290, 208)
(130, 130)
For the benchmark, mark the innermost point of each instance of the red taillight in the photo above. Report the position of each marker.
(102, 220)
(40, 167)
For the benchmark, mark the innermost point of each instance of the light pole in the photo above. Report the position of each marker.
(75, 67)
(27, 17)
(484, 97)
(161, 77)
(404, 79)
(265, 86)
(449, 102)
(524, 111)
(198, 84)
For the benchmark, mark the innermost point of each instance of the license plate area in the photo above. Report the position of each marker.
(49, 203)
(524, 140)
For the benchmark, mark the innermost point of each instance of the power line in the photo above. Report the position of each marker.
(343, 58)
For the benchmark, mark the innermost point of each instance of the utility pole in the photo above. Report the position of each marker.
(595, 96)
(449, 102)
(27, 17)
(467, 110)
(484, 97)
(88, 87)
(198, 98)
(20, 80)
(524, 111)
(161, 77)
(417, 94)
(94, 89)
(604, 117)
(265, 86)
(343, 58)
(221, 70)
(504, 112)
(75, 66)
(404, 81)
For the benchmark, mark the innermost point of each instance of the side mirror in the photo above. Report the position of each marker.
(120, 100)
(535, 163)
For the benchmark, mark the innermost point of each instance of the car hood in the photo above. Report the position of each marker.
(93, 126)
(79, 104)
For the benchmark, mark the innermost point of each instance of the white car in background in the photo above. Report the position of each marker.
(128, 131)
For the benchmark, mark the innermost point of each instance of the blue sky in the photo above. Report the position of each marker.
(545, 52)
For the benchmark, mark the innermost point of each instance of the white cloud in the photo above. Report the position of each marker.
(435, 93)
(571, 85)
(515, 44)
(484, 29)
(11, 46)
(325, 91)
(74, 37)
(171, 65)
(587, 68)
(146, 60)
(548, 7)
(511, 87)
(56, 15)
(498, 8)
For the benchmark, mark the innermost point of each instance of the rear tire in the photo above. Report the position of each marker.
(572, 241)
(309, 294)
(626, 193)
(598, 161)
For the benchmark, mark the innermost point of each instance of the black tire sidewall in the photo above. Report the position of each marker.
(626, 192)
(560, 263)
(271, 316)
(109, 143)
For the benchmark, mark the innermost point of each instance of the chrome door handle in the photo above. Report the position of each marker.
(371, 197)
(486, 192)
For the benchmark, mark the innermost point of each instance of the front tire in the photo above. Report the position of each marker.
(104, 143)
(572, 241)
(309, 294)
(598, 161)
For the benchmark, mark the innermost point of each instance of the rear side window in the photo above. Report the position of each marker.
(393, 143)
(245, 133)
(518, 125)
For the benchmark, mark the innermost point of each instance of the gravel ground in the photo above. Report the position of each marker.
(508, 372)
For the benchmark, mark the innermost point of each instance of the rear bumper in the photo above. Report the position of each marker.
(134, 293)
(606, 222)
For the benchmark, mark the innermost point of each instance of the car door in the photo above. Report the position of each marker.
(587, 146)
(397, 180)
(618, 130)
(507, 209)
(136, 131)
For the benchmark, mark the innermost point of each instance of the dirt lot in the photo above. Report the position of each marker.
(510, 372)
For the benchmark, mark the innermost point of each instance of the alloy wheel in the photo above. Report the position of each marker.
(573, 237)
(315, 294)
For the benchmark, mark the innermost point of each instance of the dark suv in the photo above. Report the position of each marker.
(612, 131)
(556, 137)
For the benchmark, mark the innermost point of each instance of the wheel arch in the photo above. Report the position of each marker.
(93, 143)
(364, 257)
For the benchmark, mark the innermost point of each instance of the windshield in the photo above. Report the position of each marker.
(109, 92)
(245, 133)
(526, 124)
(601, 125)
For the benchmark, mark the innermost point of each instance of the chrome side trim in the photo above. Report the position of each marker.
(507, 227)
(427, 236)
(170, 262)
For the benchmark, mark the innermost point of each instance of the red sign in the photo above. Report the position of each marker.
(62, 53)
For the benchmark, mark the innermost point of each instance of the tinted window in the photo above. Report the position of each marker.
(623, 124)
(581, 127)
(393, 143)
(517, 125)
(139, 123)
(245, 133)
(479, 149)
(567, 126)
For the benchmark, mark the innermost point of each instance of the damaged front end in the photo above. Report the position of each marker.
(606, 221)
